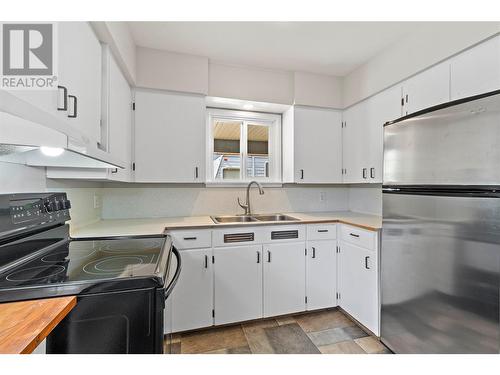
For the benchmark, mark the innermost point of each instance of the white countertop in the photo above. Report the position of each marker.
(155, 226)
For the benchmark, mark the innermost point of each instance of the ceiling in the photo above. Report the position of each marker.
(334, 48)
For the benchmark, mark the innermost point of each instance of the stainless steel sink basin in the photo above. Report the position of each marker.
(232, 219)
(275, 217)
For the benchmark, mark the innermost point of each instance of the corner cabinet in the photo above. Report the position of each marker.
(363, 135)
(312, 145)
(358, 276)
(169, 141)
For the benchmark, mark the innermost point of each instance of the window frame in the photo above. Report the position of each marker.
(271, 120)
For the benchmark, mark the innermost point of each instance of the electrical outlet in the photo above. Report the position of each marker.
(97, 201)
(322, 196)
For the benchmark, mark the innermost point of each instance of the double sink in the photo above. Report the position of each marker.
(252, 218)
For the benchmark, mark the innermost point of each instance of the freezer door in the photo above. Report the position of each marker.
(458, 145)
(440, 264)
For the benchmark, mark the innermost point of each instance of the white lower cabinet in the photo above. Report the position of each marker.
(321, 271)
(358, 284)
(193, 295)
(284, 278)
(238, 283)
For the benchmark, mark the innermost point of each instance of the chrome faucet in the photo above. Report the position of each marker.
(246, 206)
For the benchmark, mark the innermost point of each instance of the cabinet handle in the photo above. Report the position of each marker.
(268, 256)
(322, 230)
(314, 252)
(372, 172)
(354, 235)
(114, 170)
(196, 173)
(301, 174)
(406, 98)
(65, 101)
(75, 106)
(206, 261)
(189, 238)
(364, 172)
(366, 263)
(258, 256)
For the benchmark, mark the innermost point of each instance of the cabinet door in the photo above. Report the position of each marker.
(358, 284)
(169, 137)
(321, 280)
(238, 283)
(80, 66)
(317, 145)
(427, 89)
(284, 278)
(355, 140)
(119, 120)
(381, 108)
(477, 70)
(192, 297)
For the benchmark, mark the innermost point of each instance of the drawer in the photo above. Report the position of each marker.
(284, 233)
(357, 236)
(190, 239)
(238, 236)
(321, 232)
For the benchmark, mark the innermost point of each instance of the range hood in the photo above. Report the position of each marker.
(31, 136)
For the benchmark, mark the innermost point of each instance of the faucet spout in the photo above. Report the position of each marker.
(246, 206)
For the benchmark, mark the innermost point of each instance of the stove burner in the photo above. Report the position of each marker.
(114, 264)
(35, 273)
(120, 247)
(60, 256)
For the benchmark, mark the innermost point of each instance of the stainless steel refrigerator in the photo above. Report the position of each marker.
(440, 253)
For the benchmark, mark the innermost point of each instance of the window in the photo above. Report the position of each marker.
(243, 146)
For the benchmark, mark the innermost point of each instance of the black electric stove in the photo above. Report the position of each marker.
(121, 283)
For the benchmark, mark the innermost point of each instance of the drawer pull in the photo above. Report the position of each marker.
(322, 230)
(354, 235)
(189, 238)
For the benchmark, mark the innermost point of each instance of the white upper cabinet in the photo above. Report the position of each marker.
(118, 118)
(80, 73)
(355, 138)
(169, 137)
(381, 108)
(477, 70)
(314, 144)
(427, 89)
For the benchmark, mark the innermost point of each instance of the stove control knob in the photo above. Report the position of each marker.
(50, 206)
(66, 204)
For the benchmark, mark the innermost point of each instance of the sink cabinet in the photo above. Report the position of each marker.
(234, 274)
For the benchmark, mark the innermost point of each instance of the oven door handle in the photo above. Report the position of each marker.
(171, 286)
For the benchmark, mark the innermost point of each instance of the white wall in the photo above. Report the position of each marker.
(159, 69)
(317, 90)
(262, 85)
(432, 43)
(170, 201)
(366, 199)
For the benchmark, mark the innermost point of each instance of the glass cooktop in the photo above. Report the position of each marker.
(87, 261)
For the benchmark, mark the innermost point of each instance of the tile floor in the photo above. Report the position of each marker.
(328, 331)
